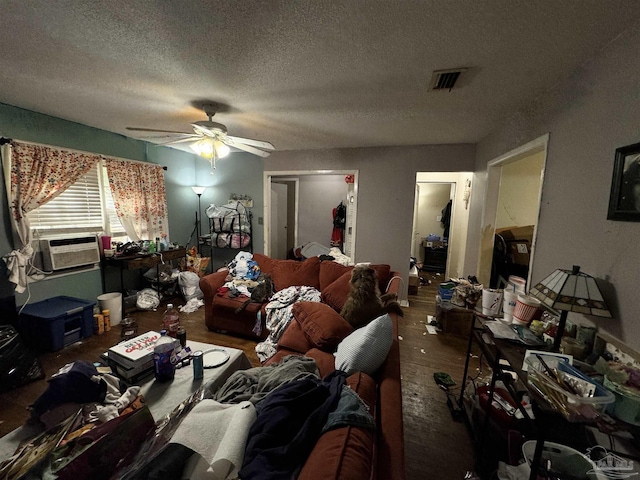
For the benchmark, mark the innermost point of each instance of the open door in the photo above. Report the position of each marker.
(317, 193)
(283, 217)
(512, 209)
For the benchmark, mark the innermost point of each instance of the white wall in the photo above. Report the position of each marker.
(319, 195)
(587, 117)
(386, 190)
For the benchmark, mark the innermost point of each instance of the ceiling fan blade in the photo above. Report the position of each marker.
(142, 129)
(254, 143)
(246, 148)
(191, 138)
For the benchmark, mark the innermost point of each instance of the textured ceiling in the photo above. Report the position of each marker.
(298, 73)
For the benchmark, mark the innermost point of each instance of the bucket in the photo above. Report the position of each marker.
(491, 302)
(517, 284)
(113, 303)
(526, 308)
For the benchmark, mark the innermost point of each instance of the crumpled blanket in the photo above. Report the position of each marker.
(289, 423)
(279, 315)
(254, 384)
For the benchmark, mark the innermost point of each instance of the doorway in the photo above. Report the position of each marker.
(512, 209)
(433, 192)
(316, 194)
(432, 224)
(284, 216)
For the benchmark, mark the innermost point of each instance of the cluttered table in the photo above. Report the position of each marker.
(555, 412)
(139, 261)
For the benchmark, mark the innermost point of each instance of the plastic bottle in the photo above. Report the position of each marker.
(152, 247)
(163, 358)
(171, 321)
(106, 315)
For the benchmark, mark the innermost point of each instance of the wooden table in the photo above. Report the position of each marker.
(137, 262)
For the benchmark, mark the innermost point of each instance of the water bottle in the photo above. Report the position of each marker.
(171, 321)
(164, 358)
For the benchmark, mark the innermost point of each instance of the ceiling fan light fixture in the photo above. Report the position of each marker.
(221, 149)
(205, 148)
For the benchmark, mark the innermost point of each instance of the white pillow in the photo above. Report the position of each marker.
(366, 348)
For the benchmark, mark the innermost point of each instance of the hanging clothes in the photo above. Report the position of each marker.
(339, 223)
(446, 219)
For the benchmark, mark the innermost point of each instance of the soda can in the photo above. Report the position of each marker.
(182, 336)
(198, 366)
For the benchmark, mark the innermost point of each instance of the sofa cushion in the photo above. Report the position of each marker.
(366, 348)
(225, 302)
(345, 453)
(335, 295)
(324, 327)
(382, 271)
(265, 263)
(331, 271)
(294, 339)
(325, 361)
(288, 273)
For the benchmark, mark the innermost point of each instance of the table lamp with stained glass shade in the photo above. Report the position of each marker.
(570, 291)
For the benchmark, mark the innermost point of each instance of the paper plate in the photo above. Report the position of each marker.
(214, 357)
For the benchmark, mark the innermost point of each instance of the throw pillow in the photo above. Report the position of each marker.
(383, 271)
(324, 327)
(289, 273)
(335, 295)
(265, 263)
(366, 349)
(331, 271)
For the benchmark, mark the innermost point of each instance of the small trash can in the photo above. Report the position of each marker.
(113, 303)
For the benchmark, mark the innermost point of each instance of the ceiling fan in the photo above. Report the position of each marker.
(210, 139)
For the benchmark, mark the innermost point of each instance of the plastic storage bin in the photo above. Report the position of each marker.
(573, 407)
(56, 322)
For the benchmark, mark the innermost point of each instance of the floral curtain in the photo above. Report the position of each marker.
(139, 196)
(35, 174)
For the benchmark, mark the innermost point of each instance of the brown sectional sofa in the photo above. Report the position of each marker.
(346, 453)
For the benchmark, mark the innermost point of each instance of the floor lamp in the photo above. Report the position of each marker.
(198, 191)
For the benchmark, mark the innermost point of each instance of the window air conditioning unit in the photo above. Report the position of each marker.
(62, 253)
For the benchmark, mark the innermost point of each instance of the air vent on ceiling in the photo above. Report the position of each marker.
(445, 79)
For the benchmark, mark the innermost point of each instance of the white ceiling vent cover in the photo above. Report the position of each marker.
(445, 79)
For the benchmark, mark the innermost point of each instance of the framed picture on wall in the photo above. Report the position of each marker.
(624, 202)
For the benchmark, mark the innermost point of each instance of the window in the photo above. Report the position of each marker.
(84, 208)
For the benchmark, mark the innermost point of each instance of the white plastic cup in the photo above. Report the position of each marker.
(509, 302)
(526, 308)
(113, 303)
(491, 302)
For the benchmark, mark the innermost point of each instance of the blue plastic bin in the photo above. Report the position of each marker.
(56, 322)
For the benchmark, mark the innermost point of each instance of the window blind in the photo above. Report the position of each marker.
(82, 208)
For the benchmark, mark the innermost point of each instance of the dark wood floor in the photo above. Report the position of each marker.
(436, 446)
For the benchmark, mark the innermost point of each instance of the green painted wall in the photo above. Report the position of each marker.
(26, 125)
